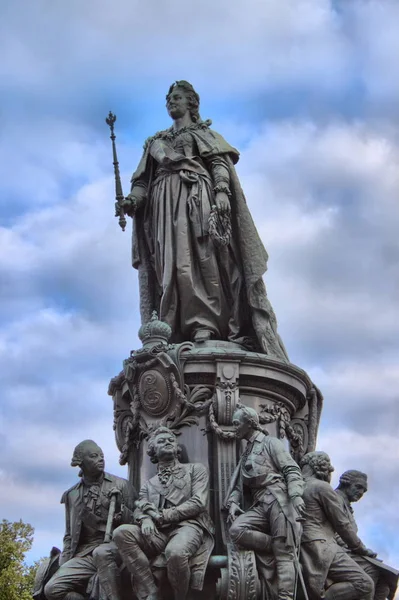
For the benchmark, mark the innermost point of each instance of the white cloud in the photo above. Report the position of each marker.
(254, 44)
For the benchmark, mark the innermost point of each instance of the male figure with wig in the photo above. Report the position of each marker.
(352, 486)
(172, 518)
(275, 484)
(86, 511)
(325, 563)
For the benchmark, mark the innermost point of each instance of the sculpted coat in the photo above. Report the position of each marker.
(85, 557)
(269, 527)
(319, 549)
(266, 467)
(75, 517)
(186, 494)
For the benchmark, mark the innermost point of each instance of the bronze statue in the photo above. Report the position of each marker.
(97, 500)
(325, 563)
(198, 253)
(275, 484)
(352, 486)
(172, 518)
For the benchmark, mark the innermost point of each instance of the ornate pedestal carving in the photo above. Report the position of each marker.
(194, 389)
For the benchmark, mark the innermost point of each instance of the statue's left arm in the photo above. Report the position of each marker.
(220, 173)
(196, 504)
(219, 170)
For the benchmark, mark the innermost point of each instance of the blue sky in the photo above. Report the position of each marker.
(308, 90)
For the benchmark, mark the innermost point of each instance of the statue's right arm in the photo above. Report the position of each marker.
(136, 198)
(66, 550)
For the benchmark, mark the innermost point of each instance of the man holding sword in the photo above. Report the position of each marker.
(93, 507)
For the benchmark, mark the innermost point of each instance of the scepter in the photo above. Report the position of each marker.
(119, 210)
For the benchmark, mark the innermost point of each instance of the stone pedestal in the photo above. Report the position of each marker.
(194, 389)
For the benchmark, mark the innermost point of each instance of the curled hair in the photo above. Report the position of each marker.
(352, 476)
(192, 97)
(320, 464)
(151, 442)
(79, 451)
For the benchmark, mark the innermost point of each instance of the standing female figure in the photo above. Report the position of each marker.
(199, 256)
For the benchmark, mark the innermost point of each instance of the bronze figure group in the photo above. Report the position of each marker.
(290, 517)
(201, 264)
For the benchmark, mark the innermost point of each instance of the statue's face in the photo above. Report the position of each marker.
(241, 425)
(355, 490)
(165, 446)
(93, 461)
(177, 103)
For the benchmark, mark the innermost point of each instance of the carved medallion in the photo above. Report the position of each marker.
(154, 392)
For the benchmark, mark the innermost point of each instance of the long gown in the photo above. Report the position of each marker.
(193, 283)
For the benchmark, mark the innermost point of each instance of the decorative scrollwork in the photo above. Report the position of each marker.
(154, 392)
(189, 405)
(129, 425)
(243, 579)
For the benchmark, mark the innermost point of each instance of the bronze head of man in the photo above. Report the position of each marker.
(317, 464)
(353, 484)
(90, 458)
(163, 446)
(245, 422)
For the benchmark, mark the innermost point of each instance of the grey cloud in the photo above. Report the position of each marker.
(332, 264)
(305, 45)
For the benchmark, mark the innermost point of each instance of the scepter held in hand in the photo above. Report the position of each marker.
(119, 210)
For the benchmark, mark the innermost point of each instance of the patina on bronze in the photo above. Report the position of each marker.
(274, 480)
(328, 571)
(199, 256)
(352, 486)
(87, 507)
(172, 518)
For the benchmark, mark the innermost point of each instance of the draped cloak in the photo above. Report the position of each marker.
(160, 157)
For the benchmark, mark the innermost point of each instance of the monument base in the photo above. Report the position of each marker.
(194, 390)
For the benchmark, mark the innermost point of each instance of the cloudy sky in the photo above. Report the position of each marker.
(308, 90)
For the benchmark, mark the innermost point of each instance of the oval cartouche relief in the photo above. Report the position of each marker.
(154, 393)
